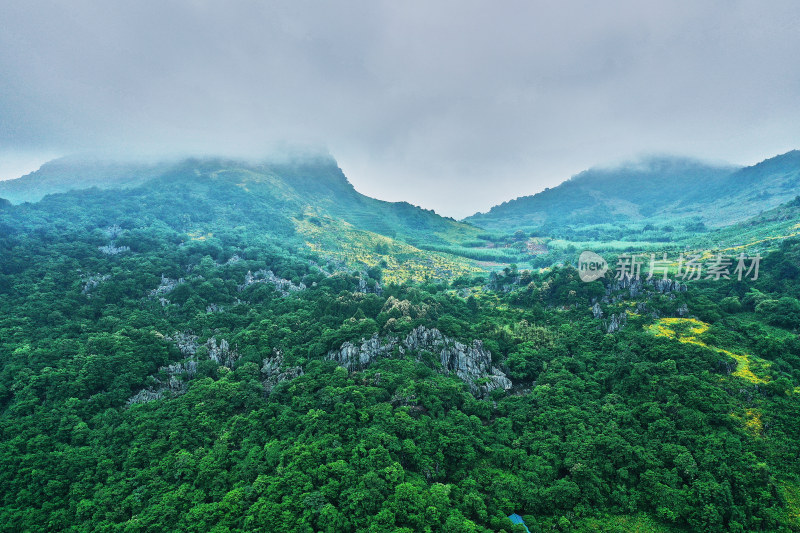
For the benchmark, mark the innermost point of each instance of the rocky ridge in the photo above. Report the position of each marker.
(636, 288)
(471, 363)
(283, 286)
(173, 380)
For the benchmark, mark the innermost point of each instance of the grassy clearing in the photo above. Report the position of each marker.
(689, 330)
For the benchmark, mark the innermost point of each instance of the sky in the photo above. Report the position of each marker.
(451, 105)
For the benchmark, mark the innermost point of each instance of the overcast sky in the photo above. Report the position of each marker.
(454, 106)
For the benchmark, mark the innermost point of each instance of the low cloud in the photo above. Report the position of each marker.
(451, 105)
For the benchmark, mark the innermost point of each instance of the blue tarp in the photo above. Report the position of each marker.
(517, 519)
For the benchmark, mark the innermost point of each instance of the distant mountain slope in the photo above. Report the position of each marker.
(658, 189)
(305, 200)
(761, 232)
(308, 180)
(73, 173)
(757, 188)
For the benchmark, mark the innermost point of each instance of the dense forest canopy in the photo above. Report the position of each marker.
(172, 359)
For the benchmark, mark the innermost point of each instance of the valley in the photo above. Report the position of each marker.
(222, 345)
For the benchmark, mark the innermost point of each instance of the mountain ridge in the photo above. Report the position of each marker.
(305, 199)
(653, 188)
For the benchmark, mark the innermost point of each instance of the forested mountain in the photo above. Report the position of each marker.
(301, 199)
(653, 190)
(229, 346)
(769, 227)
(75, 173)
(294, 183)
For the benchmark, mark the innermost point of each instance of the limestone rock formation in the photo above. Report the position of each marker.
(617, 322)
(222, 354)
(365, 287)
(166, 286)
(274, 372)
(641, 290)
(112, 232)
(174, 383)
(283, 286)
(471, 363)
(178, 374)
(113, 250)
(92, 282)
(186, 343)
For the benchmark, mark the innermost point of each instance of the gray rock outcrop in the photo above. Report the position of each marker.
(637, 285)
(471, 363)
(221, 353)
(283, 286)
(110, 249)
(617, 322)
(186, 343)
(92, 282)
(667, 285)
(112, 232)
(274, 372)
(173, 379)
(365, 287)
(166, 286)
(174, 384)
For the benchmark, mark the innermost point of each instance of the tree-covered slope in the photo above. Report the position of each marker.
(765, 230)
(166, 365)
(75, 173)
(301, 180)
(305, 197)
(656, 190)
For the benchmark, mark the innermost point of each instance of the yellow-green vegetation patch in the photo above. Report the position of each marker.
(762, 241)
(199, 235)
(245, 177)
(458, 233)
(791, 492)
(688, 331)
(751, 419)
(401, 262)
(684, 329)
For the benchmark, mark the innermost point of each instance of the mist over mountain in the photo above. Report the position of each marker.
(72, 173)
(302, 198)
(299, 180)
(653, 189)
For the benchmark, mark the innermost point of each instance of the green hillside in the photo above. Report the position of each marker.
(74, 173)
(304, 200)
(258, 347)
(764, 231)
(656, 191)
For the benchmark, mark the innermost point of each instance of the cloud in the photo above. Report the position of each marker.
(450, 105)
